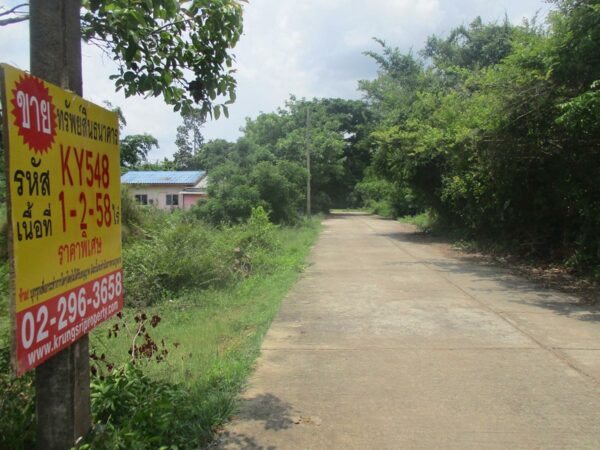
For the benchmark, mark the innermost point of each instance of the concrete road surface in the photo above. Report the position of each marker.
(388, 341)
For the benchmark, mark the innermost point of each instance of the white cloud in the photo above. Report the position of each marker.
(310, 48)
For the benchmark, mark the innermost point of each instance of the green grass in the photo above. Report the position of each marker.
(213, 333)
(214, 336)
(423, 221)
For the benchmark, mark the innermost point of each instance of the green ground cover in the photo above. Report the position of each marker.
(184, 377)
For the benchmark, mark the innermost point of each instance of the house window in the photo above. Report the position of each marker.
(172, 199)
(142, 199)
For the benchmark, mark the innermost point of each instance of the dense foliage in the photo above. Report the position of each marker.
(174, 253)
(496, 130)
(180, 50)
(267, 166)
(135, 149)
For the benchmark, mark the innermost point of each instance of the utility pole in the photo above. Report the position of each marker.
(307, 142)
(62, 382)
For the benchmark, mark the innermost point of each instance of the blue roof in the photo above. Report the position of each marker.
(162, 177)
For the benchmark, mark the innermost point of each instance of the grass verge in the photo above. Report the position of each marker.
(213, 336)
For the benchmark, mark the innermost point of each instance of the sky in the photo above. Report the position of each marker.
(306, 48)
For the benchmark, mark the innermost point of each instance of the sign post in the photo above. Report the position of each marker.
(63, 182)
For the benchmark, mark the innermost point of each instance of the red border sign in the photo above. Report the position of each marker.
(64, 215)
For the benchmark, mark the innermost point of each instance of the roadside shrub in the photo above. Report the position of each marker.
(17, 406)
(131, 215)
(278, 189)
(382, 207)
(179, 253)
(232, 204)
(426, 222)
(254, 243)
(132, 410)
(230, 197)
(384, 197)
(234, 191)
(175, 256)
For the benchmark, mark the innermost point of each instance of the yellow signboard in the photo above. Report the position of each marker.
(63, 181)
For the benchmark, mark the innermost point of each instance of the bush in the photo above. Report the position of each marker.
(234, 191)
(255, 243)
(132, 410)
(179, 253)
(382, 207)
(131, 215)
(17, 406)
(174, 255)
(233, 205)
(385, 198)
(278, 186)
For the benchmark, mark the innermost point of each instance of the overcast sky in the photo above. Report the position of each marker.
(308, 48)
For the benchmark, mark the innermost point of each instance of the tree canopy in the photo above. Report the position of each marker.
(266, 166)
(496, 130)
(135, 149)
(189, 140)
(178, 50)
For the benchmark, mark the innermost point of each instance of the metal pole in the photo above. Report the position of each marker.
(308, 211)
(63, 382)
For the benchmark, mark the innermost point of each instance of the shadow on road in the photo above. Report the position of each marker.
(561, 301)
(269, 409)
(266, 408)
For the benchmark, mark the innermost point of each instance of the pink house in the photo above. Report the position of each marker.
(166, 189)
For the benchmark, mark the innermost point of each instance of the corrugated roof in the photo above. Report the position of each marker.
(162, 177)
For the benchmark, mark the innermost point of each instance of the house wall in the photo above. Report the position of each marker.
(191, 199)
(158, 194)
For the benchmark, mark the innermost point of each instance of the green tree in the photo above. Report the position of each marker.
(213, 153)
(496, 129)
(135, 149)
(230, 196)
(189, 140)
(476, 46)
(269, 161)
(178, 50)
(337, 140)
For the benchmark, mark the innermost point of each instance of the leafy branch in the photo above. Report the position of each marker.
(178, 50)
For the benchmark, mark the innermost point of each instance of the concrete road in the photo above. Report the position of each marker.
(388, 341)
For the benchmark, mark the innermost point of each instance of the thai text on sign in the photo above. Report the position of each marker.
(63, 182)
